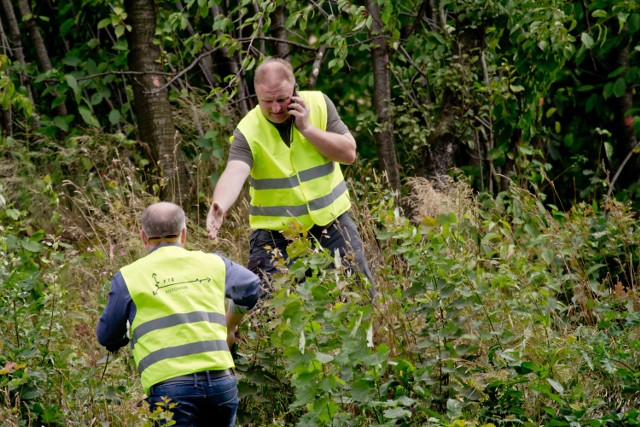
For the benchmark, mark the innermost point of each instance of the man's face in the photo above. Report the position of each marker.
(274, 98)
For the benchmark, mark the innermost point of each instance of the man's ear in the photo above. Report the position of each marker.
(183, 236)
(144, 237)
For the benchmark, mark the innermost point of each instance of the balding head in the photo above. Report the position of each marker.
(273, 70)
(163, 221)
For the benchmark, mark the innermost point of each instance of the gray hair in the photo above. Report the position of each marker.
(163, 219)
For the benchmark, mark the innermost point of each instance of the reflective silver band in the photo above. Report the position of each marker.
(181, 350)
(317, 172)
(299, 210)
(273, 183)
(292, 181)
(177, 319)
(323, 202)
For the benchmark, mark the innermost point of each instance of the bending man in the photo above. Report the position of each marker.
(174, 301)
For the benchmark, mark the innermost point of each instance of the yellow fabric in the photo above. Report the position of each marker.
(295, 183)
(179, 327)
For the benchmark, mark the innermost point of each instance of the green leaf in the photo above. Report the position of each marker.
(104, 23)
(96, 98)
(526, 368)
(72, 61)
(454, 408)
(556, 385)
(324, 358)
(14, 214)
(115, 117)
(608, 90)
(587, 40)
(599, 14)
(585, 88)
(550, 112)
(362, 390)
(72, 82)
(31, 246)
(619, 87)
(88, 117)
(618, 72)
(61, 123)
(608, 149)
(634, 23)
(395, 413)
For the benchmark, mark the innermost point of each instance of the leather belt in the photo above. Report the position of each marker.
(199, 376)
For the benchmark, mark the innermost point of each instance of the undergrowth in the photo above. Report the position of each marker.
(489, 310)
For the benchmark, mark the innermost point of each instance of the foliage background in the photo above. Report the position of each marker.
(506, 260)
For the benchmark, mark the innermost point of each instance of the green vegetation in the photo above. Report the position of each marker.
(505, 239)
(489, 310)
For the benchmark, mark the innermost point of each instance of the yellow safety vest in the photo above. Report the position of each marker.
(180, 325)
(292, 183)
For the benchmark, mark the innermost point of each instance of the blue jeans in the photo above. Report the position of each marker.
(199, 403)
(342, 234)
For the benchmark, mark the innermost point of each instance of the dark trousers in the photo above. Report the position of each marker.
(341, 235)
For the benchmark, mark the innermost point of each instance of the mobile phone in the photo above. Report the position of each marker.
(295, 93)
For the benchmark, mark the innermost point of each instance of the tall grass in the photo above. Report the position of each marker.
(489, 309)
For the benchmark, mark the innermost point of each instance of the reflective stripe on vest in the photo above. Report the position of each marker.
(180, 325)
(292, 183)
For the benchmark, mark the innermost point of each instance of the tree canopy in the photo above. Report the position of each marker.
(543, 93)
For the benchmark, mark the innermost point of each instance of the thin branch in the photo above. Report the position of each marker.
(317, 63)
(121, 73)
(410, 60)
(622, 165)
(275, 39)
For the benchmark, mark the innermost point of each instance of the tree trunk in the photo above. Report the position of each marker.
(230, 64)
(382, 98)
(440, 152)
(15, 41)
(629, 163)
(6, 120)
(151, 104)
(279, 30)
(39, 46)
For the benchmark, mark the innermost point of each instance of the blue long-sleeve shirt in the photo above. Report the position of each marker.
(242, 288)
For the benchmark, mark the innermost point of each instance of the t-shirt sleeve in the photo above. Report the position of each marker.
(239, 149)
(334, 122)
(242, 287)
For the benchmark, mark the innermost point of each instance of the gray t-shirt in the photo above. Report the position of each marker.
(240, 147)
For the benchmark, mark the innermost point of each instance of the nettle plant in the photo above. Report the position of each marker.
(323, 326)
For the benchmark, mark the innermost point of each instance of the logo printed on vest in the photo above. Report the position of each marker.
(171, 281)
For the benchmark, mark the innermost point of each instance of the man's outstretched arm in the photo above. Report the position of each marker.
(225, 194)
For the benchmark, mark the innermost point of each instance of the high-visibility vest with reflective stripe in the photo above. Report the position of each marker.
(292, 183)
(179, 327)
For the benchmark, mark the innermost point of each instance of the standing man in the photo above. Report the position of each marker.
(174, 301)
(290, 147)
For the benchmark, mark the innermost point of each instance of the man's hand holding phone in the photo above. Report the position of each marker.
(300, 111)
